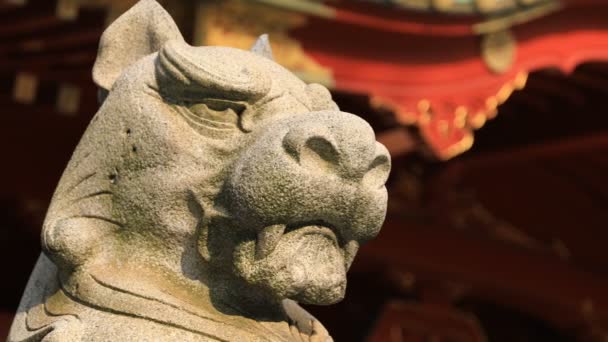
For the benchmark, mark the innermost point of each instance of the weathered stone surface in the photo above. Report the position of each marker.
(211, 192)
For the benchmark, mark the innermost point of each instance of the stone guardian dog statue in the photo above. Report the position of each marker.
(211, 193)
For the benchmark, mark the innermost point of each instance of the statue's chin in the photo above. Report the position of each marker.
(306, 267)
(318, 271)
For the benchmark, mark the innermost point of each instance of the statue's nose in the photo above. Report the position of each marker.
(341, 144)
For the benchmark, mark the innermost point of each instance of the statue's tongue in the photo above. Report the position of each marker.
(318, 265)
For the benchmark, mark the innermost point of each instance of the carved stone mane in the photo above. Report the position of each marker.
(211, 193)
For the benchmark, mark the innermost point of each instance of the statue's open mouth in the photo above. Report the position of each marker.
(270, 236)
(321, 230)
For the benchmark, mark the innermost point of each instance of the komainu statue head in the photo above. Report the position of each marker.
(211, 193)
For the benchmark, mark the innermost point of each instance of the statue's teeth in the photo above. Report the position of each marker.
(268, 238)
(350, 250)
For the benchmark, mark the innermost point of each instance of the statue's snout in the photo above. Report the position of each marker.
(340, 145)
(301, 168)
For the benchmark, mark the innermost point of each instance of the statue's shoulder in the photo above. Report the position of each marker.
(49, 313)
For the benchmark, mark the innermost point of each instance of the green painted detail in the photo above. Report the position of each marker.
(464, 7)
(304, 6)
(517, 18)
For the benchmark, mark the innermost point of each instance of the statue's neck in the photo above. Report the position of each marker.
(208, 290)
(230, 295)
(151, 297)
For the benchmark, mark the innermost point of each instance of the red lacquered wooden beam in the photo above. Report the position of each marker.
(440, 83)
(401, 26)
(597, 143)
(538, 283)
(402, 321)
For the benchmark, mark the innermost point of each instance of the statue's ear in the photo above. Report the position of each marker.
(262, 47)
(140, 31)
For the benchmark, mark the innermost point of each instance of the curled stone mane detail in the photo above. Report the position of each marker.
(212, 193)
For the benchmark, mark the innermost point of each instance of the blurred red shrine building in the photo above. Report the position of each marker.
(494, 112)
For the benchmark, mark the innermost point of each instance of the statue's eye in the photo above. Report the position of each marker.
(219, 111)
